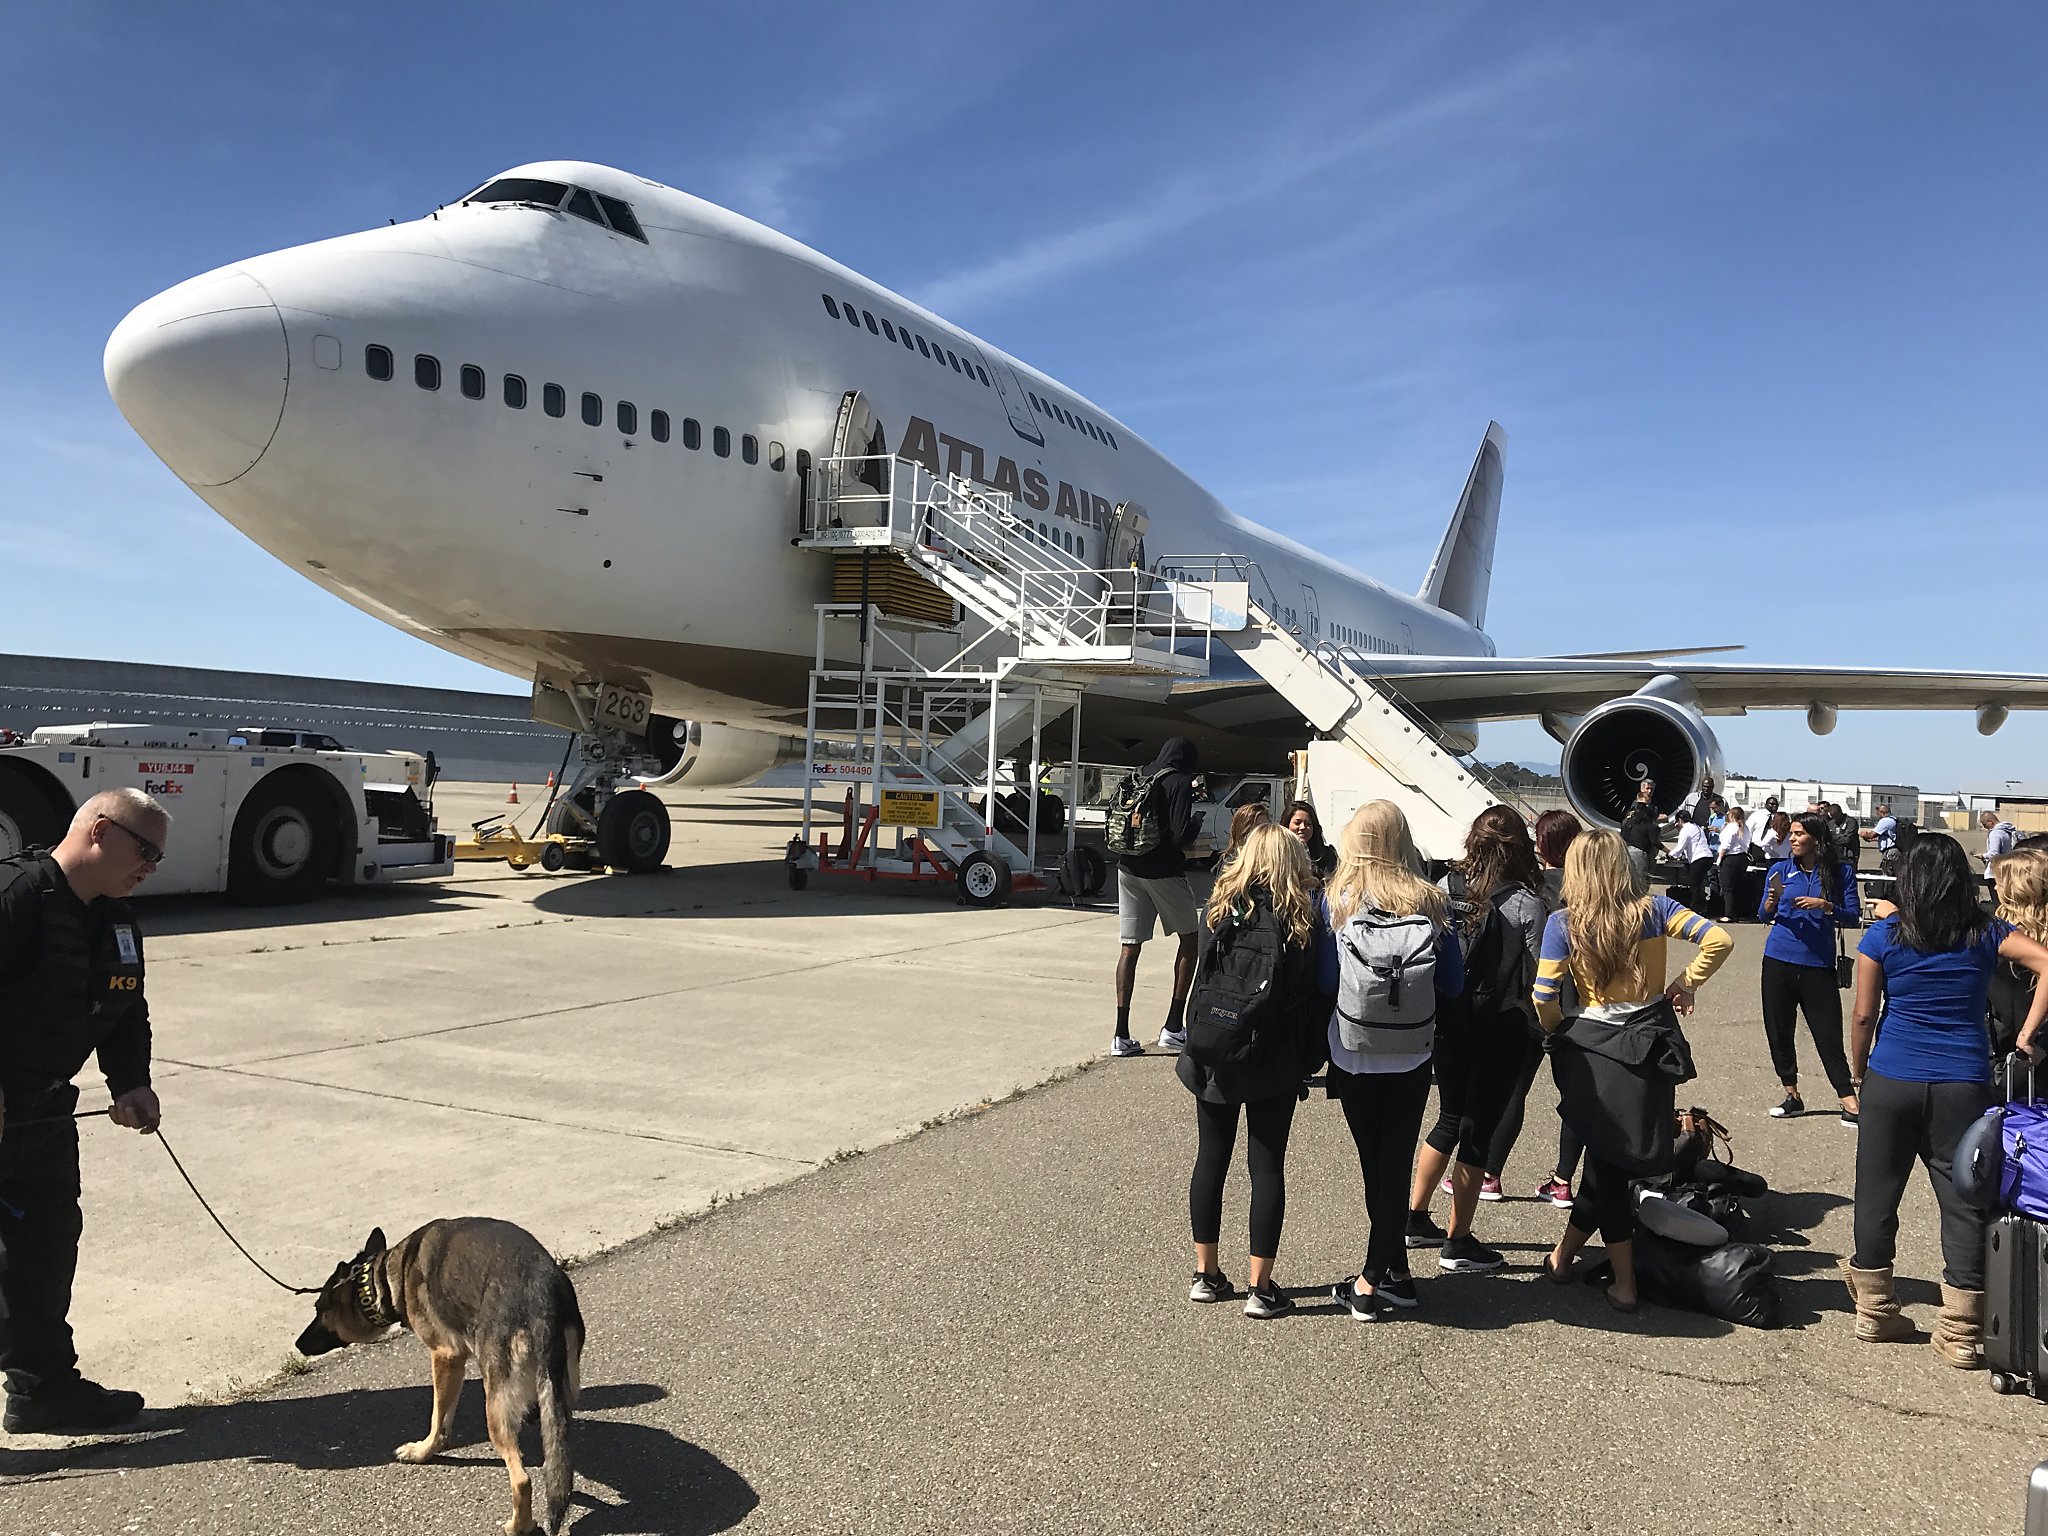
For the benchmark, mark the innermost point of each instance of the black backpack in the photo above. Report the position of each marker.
(1235, 1014)
(1496, 965)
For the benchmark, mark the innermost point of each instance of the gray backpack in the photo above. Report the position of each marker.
(1386, 983)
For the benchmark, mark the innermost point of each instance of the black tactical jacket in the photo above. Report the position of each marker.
(70, 985)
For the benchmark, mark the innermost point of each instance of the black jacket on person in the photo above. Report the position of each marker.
(1617, 1081)
(1639, 829)
(70, 985)
(1173, 792)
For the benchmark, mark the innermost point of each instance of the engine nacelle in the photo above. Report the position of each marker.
(716, 756)
(1656, 733)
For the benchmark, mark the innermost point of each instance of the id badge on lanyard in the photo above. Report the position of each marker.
(125, 944)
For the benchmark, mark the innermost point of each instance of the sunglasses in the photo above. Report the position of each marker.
(151, 854)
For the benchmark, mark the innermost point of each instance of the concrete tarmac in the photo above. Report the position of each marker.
(983, 1327)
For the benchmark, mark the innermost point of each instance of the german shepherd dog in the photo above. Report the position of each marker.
(472, 1289)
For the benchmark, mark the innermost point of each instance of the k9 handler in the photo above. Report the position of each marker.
(70, 985)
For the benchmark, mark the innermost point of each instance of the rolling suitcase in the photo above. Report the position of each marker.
(2015, 1252)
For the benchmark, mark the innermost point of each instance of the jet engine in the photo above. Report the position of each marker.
(1656, 733)
(715, 756)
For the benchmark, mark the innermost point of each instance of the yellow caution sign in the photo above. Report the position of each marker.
(909, 808)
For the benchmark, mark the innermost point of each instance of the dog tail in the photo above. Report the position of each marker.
(557, 1390)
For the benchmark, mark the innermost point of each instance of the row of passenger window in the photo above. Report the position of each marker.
(1065, 417)
(887, 329)
(1344, 634)
(854, 315)
(554, 401)
(1065, 538)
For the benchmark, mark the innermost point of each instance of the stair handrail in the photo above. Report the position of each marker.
(1349, 658)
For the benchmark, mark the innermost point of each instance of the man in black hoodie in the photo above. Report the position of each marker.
(1153, 887)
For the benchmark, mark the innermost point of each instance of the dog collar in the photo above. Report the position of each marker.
(374, 1312)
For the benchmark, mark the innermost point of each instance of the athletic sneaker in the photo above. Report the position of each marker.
(1423, 1232)
(1363, 1309)
(1792, 1107)
(1446, 1186)
(1173, 1039)
(1216, 1287)
(1489, 1188)
(1272, 1302)
(1849, 1118)
(1124, 1045)
(1395, 1290)
(1468, 1256)
(1557, 1191)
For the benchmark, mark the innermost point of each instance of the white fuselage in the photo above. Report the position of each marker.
(535, 542)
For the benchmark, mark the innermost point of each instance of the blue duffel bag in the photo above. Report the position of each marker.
(2001, 1161)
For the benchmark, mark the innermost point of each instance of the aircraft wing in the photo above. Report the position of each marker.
(1522, 687)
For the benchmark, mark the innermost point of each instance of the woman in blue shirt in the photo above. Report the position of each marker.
(1928, 1079)
(1806, 899)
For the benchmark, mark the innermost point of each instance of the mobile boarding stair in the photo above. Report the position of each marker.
(970, 633)
(1369, 745)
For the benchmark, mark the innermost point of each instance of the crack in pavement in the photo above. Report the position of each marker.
(699, 1143)
(584, 1007)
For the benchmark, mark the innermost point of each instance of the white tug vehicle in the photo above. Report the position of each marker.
(267, 816)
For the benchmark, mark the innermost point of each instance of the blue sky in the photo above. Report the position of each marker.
(1756, 290)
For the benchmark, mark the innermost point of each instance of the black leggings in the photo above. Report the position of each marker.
(1509, 1130)
(1605, 1202)
(1734, 887)
(1267, 1122)
(1790, 990)
(1903, 1122)
(1384, 1111)
(1478, 1067)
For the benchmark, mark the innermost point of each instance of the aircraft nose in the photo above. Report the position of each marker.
(200, 372)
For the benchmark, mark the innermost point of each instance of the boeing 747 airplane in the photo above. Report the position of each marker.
(565, 426)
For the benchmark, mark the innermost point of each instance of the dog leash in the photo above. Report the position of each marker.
(157, 1132)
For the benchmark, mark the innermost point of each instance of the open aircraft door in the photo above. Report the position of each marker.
(857, 434)
(1123, 562)
(1022, 418)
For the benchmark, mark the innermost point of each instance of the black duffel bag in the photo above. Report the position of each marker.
(1733, 1282)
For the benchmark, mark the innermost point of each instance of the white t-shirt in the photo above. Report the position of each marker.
(1759, 824)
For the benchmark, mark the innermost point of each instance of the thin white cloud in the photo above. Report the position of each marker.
(1280, 163)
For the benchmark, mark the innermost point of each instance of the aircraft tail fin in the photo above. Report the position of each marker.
(1462, 572)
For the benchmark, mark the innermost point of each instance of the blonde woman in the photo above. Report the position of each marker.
(1621, 1055)
(2022, 880)
(1268, 887)
(1381, 1077)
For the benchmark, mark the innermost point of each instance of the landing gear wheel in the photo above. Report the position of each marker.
(632, 834)
(1091, 869)
(552, 858)
(27, 819)
(984, 880)
(282, 847)
(799, 877)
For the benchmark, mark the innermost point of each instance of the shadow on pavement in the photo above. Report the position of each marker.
(632, 1479)
(167, 916)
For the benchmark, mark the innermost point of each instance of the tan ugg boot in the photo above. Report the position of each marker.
(1959, 1330)
(1878, 1318)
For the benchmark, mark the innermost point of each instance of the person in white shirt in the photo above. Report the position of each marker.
(1694, 852)
(1736, 904)
(1760, 821)
(1999, 837)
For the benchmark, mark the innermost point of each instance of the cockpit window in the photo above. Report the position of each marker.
(621, 215)
(521, 189)
(557, 197)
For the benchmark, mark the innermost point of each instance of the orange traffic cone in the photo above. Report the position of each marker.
(513, 797)
(551, 781)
